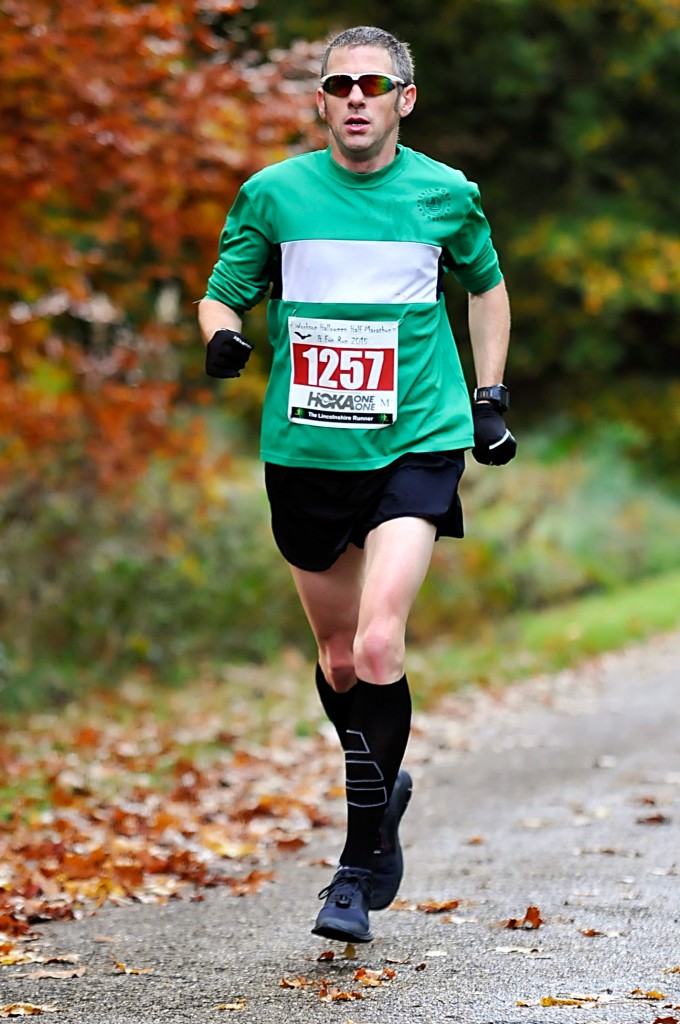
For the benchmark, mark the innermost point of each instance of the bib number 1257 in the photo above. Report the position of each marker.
(343, 372)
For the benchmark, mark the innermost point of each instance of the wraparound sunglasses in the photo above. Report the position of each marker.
(371, 83)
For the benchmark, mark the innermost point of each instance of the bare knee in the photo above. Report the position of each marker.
(337, 665)
(379, 651)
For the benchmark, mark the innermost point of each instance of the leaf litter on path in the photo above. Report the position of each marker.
(147, 807)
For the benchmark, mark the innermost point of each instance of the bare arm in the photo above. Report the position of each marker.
(214, 315)
(489, 324)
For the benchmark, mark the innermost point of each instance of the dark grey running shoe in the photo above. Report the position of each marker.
(388, 862)
(345, 914)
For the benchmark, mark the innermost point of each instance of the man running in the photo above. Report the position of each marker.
(367, 416)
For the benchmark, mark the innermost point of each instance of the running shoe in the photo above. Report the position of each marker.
(345, 913)
(388, 860)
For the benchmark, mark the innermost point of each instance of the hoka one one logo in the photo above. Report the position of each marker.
(352, 403)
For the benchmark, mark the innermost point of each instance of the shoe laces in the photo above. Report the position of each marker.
(346, 884)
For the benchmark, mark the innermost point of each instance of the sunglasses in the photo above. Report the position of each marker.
(372, 83)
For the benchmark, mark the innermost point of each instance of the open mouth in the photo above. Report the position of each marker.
(356, 124)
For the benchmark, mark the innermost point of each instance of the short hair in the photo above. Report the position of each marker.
(367, 35)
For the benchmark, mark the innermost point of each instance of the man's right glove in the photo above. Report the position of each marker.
(494, 444)
(226, 354)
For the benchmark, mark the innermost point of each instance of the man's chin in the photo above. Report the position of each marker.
(356, 143)
(357, 148)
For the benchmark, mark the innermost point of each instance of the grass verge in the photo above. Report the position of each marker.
(545, 641)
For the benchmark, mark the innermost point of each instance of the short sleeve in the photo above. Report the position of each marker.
(241, 276)
(472, 257)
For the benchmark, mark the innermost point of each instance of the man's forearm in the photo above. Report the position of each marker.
(214, 315)
(489, 325)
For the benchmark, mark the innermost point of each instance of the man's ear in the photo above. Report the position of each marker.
(407, 100)
(321, 104)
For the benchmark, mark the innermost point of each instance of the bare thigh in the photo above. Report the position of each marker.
(398, 555)
(358, 608)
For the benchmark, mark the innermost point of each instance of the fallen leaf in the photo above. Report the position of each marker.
(25, 1010)
(402, 904)
(475, 841)
(654, 819)
(73, 972)
(132, 970)
(239, 1004)
(225, 847)
(373, 979)
(421, 967)
(336, 995)
(567, 1000)
(350, 952)
(653, 996)
(666, 1020)
(252, 883)
(672, 970)
(590, 932)
(296, 983)
(11, 925)
(435, 907)
(577, 999)
(328, 955)
(291, 844)
(532, 919)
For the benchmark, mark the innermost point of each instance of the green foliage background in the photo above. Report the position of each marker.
(567, 112)
(175, 577)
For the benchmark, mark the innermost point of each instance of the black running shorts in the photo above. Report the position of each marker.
(317, 513)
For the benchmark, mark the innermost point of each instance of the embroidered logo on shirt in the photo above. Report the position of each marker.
(434, 203)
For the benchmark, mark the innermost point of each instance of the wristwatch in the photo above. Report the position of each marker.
(498, 396)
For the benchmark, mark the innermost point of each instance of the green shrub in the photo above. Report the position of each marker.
(546, 529)
(180, 574)
(166, 580)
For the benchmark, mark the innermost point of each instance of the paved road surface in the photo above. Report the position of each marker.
(562, 794)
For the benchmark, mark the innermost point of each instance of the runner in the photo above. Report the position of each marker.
(367, 416)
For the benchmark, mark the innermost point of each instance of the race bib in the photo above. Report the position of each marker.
(343, 372)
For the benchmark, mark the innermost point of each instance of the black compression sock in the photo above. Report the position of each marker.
(377, 733)
(336, 705)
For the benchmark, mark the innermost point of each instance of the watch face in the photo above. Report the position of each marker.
(498, 395)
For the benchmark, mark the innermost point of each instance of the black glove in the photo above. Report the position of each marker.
(494, 444)
(226, 354)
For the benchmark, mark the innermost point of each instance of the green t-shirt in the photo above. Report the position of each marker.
(364, 367)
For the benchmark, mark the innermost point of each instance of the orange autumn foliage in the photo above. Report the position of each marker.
(125, 131)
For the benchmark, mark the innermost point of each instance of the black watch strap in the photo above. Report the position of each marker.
(498, 396)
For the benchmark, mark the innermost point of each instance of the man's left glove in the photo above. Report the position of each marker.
(494, 444)
(226, 354)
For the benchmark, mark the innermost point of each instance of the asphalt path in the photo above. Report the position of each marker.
(560, 794)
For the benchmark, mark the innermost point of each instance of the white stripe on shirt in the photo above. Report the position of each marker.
(342, 270)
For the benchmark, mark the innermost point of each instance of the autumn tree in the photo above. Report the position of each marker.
(125, 131)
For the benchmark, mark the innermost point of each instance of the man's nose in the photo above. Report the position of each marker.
(356, 96)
